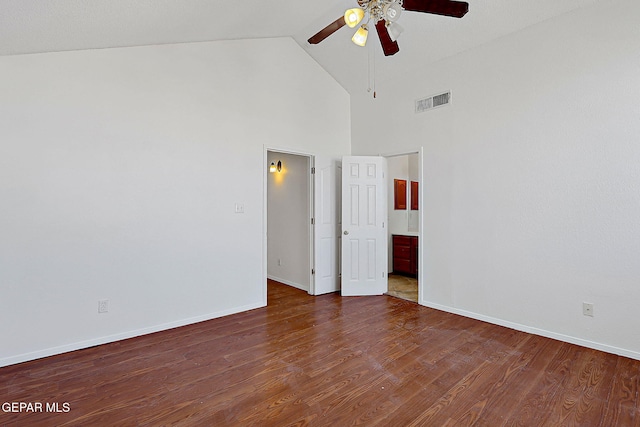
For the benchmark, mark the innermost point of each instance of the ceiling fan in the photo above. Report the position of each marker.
(384, 14)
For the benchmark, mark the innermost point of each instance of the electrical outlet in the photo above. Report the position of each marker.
(239, 208)
(103, 306)
(279, 262)
(587, 309)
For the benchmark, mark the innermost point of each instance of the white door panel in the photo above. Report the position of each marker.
(326, 229)
(364, 239)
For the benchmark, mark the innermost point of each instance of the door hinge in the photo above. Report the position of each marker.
(383, 274)
(313, 271)
(313, 171)
(313, 221)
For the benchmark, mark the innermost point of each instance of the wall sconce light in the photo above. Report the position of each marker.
(273, 167)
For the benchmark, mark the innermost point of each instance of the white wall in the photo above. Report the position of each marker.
(532, 184)
(119, 174)
(288, 223)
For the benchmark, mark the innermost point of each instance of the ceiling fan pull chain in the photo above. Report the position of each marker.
(374, 71)
(371, 70)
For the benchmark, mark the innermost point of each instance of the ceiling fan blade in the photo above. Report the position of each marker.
(389, 47)
(456, 9)
(327, 31)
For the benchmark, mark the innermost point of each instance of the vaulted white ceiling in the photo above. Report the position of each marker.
(30, 26)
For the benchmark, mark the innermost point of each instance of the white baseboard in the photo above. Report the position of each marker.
(12, 360)
(289, 282)
(536, 331)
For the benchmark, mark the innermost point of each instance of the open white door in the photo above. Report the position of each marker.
(364, 217)
(326, 209)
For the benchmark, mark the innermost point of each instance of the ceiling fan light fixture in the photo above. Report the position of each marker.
(394, 29)
(360, 37)
(392, 11)
(352, 17)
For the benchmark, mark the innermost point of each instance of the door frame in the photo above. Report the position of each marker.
(421, 243)
(311, 194)
(311, 156)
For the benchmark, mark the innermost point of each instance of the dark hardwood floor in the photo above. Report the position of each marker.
(329, 361)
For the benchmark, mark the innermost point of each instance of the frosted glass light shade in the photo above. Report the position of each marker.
(360, 37)
(352, 17)
(394, 29)
(392, 11)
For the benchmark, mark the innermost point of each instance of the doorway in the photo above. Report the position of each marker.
(282, 244)
(404, 185)
(289, 201)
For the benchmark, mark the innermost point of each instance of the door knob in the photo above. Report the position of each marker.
(346, 232)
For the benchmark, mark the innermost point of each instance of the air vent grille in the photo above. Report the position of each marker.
(434, 101)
